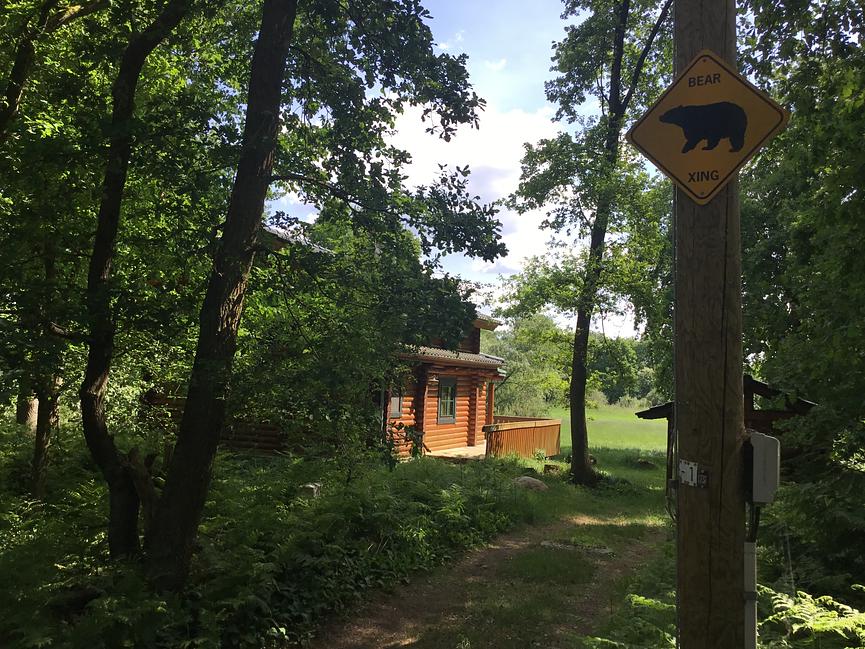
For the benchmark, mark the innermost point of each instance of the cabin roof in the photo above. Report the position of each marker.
(484, 321)
(437, 354)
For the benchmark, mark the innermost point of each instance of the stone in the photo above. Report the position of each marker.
(527, 482)
(311, 490)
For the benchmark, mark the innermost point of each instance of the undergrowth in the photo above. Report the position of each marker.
(271, 564)
(646, 615)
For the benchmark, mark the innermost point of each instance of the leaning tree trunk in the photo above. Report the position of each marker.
(175, 522)
(123, 498)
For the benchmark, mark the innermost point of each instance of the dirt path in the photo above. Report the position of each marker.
(534, 587)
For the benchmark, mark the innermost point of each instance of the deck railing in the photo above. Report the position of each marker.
(523, 436)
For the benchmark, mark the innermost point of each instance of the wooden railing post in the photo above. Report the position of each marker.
(491, 403)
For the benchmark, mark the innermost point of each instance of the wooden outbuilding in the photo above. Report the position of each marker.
(759, 419)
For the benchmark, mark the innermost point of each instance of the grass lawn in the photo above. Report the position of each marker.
(616, 427)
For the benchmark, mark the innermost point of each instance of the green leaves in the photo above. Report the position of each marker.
(806, 621)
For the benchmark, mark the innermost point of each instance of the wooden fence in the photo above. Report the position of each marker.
(255, 436)
(523, 436)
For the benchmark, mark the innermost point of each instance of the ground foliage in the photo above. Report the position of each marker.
(271, 565)
(646, 618)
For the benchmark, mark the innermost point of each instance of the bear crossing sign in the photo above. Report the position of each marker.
(711, 105)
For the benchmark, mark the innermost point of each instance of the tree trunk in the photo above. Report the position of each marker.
(124, 502)
(26, 406)
(47, 420)
(581, 468)
(175, 524)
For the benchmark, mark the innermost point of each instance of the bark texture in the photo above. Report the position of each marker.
(175, 523)
(124, 501)
(26, 407)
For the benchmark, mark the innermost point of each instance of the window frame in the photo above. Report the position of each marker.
(449, 382)
(395, 414)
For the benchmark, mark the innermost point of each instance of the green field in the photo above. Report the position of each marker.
(616, 427)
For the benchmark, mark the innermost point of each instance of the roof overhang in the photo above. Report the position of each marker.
(452, 358)
(484, 321)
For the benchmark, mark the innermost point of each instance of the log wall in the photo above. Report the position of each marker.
(259, 436)
(438, 436)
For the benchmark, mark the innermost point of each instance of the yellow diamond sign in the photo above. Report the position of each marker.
(706, 125)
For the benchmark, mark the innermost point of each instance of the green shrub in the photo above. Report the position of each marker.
(820, 524)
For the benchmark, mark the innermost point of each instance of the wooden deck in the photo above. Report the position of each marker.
(518, 435)
(462, 453)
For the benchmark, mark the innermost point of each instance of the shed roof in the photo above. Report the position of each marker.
(750, 385)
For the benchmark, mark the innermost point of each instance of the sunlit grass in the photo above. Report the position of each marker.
(616, 427)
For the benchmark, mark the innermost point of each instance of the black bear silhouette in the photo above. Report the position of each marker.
(710, 122)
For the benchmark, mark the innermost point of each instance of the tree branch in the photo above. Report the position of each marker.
(352, 201)
(72, 12)
(25, 53)
(641, 60)
(75, 336)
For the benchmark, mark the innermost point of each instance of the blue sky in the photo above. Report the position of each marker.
(508, 43)
(509, 48)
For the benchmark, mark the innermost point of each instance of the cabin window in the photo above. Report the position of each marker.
(396, 403)
(447, 401)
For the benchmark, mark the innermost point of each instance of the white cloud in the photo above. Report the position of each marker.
(493, 151)
(496, 66)
(448, 44)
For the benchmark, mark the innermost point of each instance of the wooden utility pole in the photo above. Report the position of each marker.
(708, 378)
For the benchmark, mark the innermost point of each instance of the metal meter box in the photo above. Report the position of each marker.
(766, 471)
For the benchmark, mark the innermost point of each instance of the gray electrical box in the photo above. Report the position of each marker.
(767, 467)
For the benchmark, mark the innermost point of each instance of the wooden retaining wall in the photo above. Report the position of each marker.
(523, 436)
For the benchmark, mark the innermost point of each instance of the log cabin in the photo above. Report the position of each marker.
(450, 396)
(448, 400)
